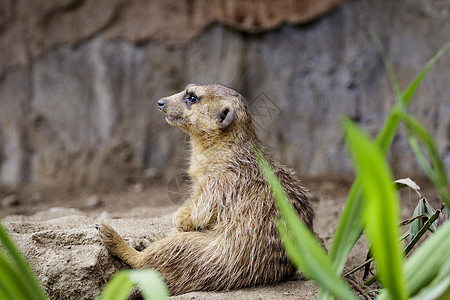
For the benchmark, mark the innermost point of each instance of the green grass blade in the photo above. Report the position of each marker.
(384, 139)
(422, 208)
(435, 171)
(118, 288)
(439, 288)
(347, 232)
(290, 246)
(300, 243)
(429, 212)
(346, 235)
(416, 224)
(28, 279)
(424, 264)
(427, 262)
(380, 209)
(420, 157)
(411, 89)
(387, 133)
(313, 262)
(150, 282)
(324, 294)
(387, 64)
(11, 279)
(4, 292)
(348, 228)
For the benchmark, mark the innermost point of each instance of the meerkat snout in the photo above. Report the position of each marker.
(161, 103)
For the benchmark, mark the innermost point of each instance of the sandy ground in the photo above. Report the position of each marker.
(153, 200)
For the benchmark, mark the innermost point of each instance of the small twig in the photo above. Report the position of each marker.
(375, 292)
(359, 267)
(404, 236)
(371, 280)
(357, 287)
(408, 221)
(367, 268)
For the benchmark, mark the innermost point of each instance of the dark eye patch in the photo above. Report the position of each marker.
(191, 98)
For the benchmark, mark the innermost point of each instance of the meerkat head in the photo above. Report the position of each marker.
(206, 110)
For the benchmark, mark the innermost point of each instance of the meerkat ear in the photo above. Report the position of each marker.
(226, 117)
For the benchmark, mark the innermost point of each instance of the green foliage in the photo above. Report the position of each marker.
(423, 208)
(300, 243)
(149, 281)
(17, 281)
(373, 202)
(380, 209)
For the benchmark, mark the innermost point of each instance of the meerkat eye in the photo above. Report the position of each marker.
(191, 98)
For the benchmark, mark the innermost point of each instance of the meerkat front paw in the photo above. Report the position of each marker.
(182, 220)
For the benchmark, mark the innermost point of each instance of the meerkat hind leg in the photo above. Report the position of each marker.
(118, 247)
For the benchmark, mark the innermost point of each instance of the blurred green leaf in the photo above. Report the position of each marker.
(387, 64)
(412, 87)
(346, 235)
(347, 232)
(380, 209)
(118, 288)
(434, 170)
(387, 133)
(439, 288)
(11, 280)
(12, 260)
(149, 281)
(427, 263)
(349, 228)
(300, 244)
(4, 293)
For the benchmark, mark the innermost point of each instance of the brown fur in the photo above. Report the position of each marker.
(227, 228)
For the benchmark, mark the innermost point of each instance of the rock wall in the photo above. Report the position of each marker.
(79, 108)
(28, 29)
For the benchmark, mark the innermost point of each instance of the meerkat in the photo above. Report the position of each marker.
(227, 237)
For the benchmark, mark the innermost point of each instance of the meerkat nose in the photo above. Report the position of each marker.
(161, 103)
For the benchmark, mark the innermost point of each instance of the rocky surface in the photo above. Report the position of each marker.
(299, 289)
(63, 248)
(78, 108)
